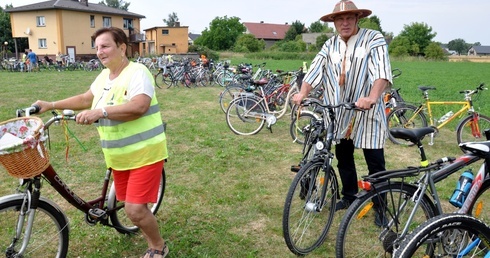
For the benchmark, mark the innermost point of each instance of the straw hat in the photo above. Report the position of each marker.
(345, 6)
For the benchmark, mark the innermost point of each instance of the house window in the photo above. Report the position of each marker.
(107, 22)
(127, 23)
(164, 32)
(42, 43)
(40, 20)
(92, 43)
(92, 21)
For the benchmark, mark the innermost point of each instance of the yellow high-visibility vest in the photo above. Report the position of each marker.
(129, 144)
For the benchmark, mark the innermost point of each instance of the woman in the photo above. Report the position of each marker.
(124, 108)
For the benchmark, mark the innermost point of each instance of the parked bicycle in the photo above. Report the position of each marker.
(458, 234)
(393, 203)
(32, 225)
(248, 112)
(310, 201)
(469, 128)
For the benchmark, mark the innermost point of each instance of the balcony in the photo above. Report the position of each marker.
(137, 37)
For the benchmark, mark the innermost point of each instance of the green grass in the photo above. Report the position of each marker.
(225, 193)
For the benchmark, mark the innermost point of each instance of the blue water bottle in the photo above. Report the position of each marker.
(462, 189)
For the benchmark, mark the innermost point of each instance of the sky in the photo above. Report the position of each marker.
(450, 19)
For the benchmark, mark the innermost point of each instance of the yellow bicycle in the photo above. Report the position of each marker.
(469, 129)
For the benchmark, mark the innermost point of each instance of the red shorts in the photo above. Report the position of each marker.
(138, 185)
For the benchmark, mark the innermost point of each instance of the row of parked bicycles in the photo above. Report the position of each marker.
(15, 65)
(398, 213)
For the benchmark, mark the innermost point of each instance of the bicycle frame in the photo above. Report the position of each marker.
(465, 106)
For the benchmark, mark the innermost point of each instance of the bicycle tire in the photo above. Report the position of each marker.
(228, 94)
(119, 219)
(187, 79)
(446, 235)
(405, 116)
(159, 80)
(465, 128)
(298, 125)
(360, 236)
(304, 225)
(238, 119)
(50, 229)
(480, 208)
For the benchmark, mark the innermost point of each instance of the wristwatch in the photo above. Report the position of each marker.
(104, 113)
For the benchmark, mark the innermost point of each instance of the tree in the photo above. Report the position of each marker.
(434, 51)
(172, 19)
(372, 22)
(248, 43)
(319, 26)
(419, 36)
(458, 45)
(320, 40)
(296, 29)
(399, 46)
(119, 4)
(222, 33)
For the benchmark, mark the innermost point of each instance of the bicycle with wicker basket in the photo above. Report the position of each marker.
(31, 225)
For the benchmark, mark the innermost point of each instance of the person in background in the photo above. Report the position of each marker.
(33, 65)
(122, 104)
(59, 59)
(353, 66)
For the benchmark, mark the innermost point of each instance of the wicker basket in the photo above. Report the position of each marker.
(29, 158)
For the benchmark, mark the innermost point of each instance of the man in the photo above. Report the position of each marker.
(32, 60)
(353, 66)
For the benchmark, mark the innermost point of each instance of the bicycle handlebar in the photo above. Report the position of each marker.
(346, 105)
(66, 115)
(471, 92)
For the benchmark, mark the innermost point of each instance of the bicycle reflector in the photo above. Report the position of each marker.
(364, 185)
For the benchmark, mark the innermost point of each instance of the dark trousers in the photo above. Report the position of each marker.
(344, 151)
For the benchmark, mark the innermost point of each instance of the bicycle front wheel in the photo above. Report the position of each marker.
(405, 116)
(472, 129)
(49, 235)
(245, 115)
(300, 125)
(447, 235)
(309, 207)
(374, 221)
(119, 218)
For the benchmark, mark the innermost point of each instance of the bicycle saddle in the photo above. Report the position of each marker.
(413, 135)
(481, 149)
(424, 88)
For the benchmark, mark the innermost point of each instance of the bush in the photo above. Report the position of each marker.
(202, 50)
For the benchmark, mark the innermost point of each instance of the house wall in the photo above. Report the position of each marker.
(176, 42)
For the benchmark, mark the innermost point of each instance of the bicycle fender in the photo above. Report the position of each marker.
(20, 196)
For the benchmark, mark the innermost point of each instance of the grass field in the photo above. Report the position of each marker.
(225, 193)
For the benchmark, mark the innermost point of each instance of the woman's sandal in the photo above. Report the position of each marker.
(152, 252)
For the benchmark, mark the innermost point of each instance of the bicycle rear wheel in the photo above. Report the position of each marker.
(405, 116)
(447, 235)
(374, 220)
(471, 129)
(305, 223)
(245, 115)
(49, 236)
(119, 219)
(228, 94)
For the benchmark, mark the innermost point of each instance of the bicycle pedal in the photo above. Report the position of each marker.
(96, 213)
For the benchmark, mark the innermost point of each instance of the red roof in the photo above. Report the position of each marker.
(266, 30)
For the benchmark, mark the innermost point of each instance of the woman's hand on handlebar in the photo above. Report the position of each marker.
(43, 106)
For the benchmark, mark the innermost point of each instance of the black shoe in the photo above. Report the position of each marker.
(380, 219)
(342, 204)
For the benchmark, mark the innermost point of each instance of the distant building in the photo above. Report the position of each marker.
(66, 26)
(310, 38)
(166, 40)
(479, 51)
(270, 33)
